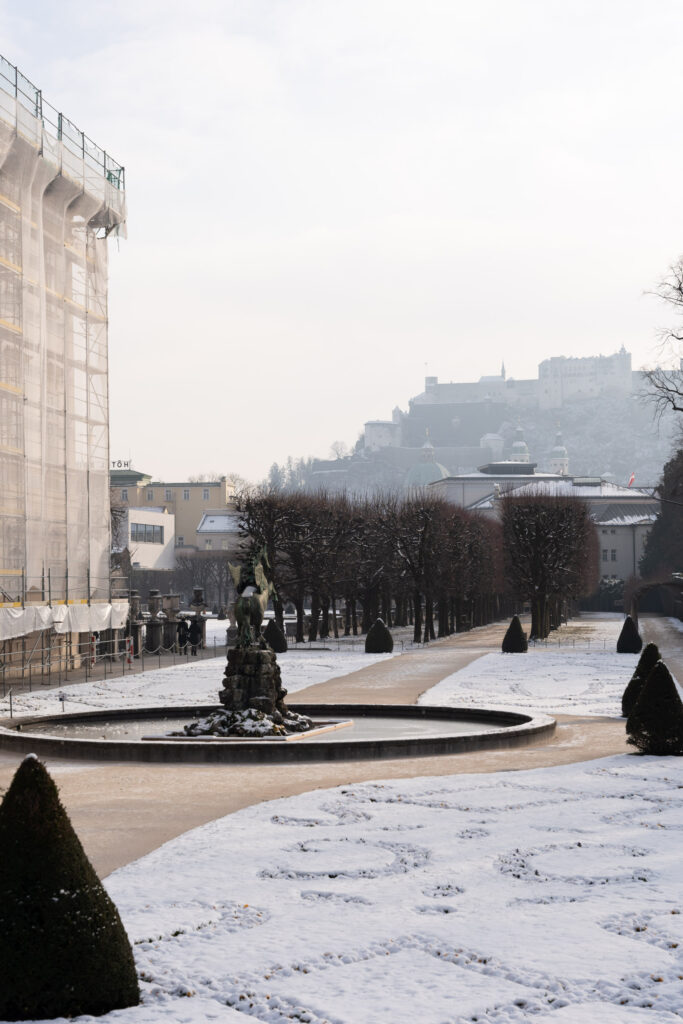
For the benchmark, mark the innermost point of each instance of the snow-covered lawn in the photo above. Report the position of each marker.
(578, 673)
(553, 896)
(568, 682)
(496, 898)
(193, 681)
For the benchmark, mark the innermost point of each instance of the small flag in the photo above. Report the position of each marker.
(631, 479)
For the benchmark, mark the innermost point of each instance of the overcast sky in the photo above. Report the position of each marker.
(328, 199)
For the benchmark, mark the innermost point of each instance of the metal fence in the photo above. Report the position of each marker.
(26, 667)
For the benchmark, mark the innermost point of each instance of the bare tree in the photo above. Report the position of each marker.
(664, 387)
(339, 450)
(550, 553)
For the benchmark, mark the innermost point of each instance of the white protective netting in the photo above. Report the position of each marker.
(60, 196)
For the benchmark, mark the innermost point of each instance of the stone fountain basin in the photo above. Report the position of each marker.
(375, 732)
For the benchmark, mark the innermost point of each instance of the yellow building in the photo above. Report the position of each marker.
(188, 500)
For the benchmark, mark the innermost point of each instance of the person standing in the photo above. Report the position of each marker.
(182, 635)
(195, 634)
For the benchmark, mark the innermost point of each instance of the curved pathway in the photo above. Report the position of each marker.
(122, 811)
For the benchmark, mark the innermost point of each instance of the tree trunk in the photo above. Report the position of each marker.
(325, 623)
(540, 618)
(315, 614)
(429, 633)
(442, 618)
(299, 605)
(417, 606)
(279, 610)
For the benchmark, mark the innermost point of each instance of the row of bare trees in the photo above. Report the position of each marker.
(419, 559)
(550, 548)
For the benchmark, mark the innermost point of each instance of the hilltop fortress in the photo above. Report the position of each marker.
(580, 416)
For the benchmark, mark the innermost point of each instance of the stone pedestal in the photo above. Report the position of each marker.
(253, 699)
(252, 680)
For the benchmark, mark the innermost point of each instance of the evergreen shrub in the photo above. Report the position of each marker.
(63, 948)
(378, 639)
(629, 641)
(514, 641)
(646, 663)
(655, 726)
(274, 637)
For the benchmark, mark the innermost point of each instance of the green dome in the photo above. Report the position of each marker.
(520, 450)
(559, 451)
(425, 473)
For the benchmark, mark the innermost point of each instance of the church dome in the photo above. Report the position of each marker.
(426, 471)
(558, 451)
(520, 450)
(559, 456)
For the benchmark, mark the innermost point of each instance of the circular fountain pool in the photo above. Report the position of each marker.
(348, 732)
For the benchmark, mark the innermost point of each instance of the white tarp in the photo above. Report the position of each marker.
(72, 618)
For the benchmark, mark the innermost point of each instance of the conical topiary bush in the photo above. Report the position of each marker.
(274, 637)
(514, 641)
(63, 948)
(655, 726)
(646, 663)
(378, 640)
(629, 641)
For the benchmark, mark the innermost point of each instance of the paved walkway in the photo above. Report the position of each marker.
(122, 811)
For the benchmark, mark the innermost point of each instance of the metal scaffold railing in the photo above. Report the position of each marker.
(59, 127)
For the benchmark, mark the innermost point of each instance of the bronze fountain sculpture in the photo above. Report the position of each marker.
(253, 697)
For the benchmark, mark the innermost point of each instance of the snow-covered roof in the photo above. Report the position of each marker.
(632, 506)
(633, 520)
(579, 487)
(476, 474)
(219, 522)
(625, 514)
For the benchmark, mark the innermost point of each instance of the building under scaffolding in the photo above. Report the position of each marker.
(61, 196)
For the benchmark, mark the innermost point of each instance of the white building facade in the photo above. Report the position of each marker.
(149, 535)
(60, 197)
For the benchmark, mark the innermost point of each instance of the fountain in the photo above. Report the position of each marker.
(253, 724)
(252, 698)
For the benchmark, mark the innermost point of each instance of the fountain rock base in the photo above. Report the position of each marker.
(253, 699)
(249, 723)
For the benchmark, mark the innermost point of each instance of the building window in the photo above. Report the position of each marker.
(604, 531)
(168, 494)
(150, 494)
(146, 533)
(207, 545)
(180, 542)
(614, 555)
(124, 494)
(224, 545)
(205, 494)
(604, 554)
(186, 494)
(613, 531)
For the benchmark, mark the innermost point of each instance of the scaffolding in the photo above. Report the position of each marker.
(61, 196)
